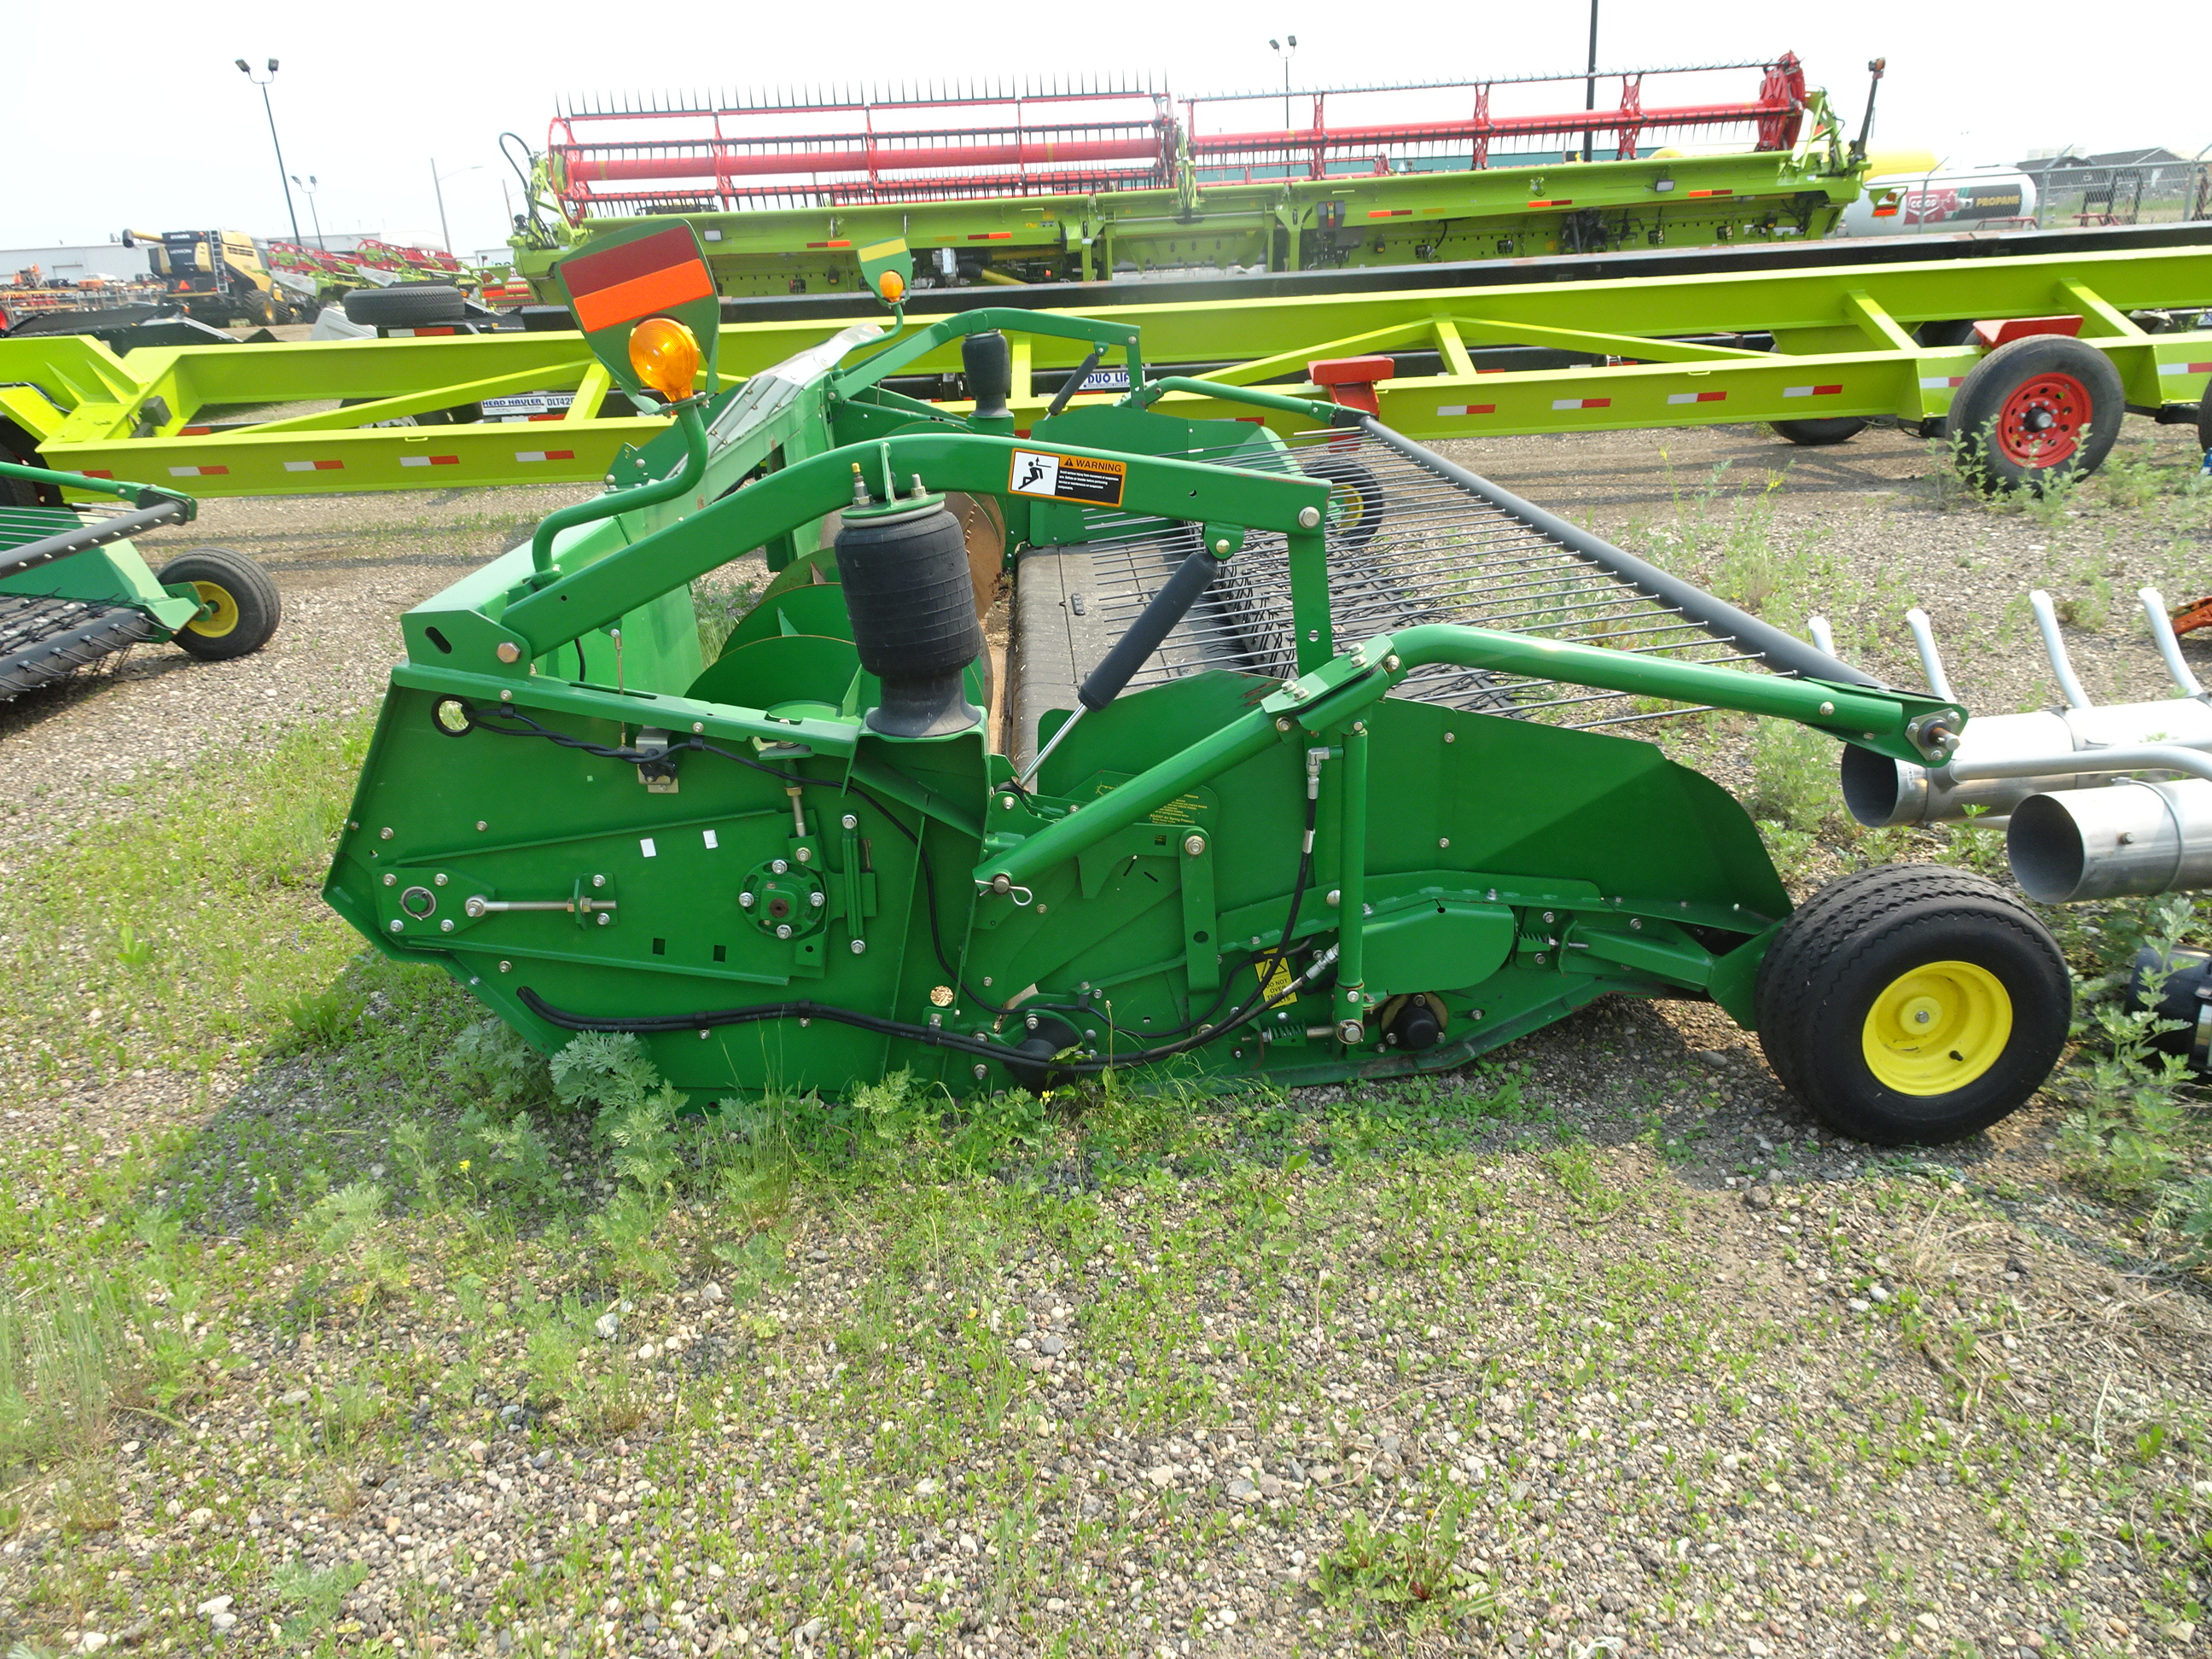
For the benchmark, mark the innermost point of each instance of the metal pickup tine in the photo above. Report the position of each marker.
(2169, 648)
(2054, 647)
(1931, 664)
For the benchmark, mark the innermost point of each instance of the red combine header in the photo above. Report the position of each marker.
(941, 144)
(1446, 141)
(937, 146)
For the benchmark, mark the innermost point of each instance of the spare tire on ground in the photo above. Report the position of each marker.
(406, 304)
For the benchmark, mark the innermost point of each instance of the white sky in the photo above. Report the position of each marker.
(141, 120)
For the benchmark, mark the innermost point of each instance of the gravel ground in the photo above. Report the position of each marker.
(1694, 1376)
(346, 566)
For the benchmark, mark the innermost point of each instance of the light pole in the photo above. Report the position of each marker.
(1287, 54)
(1589, 95)
(309, 189)
(284, 177)
(438, 185)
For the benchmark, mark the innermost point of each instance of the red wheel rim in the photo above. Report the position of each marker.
(2043, 421)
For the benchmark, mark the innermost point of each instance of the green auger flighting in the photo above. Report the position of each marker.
(1311, 756)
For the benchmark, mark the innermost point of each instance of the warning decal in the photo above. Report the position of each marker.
(1067, 477)
(1279, 981)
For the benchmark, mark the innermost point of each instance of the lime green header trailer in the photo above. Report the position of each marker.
(1846, 343)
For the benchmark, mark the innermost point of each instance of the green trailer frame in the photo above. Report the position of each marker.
(1649, 353)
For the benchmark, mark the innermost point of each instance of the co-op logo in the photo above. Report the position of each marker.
(1923, 207)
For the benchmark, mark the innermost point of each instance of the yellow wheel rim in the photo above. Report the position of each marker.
(1937, 1028)
(221, 615)
(1351, 506)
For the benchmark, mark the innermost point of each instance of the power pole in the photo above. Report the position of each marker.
(1589, 95)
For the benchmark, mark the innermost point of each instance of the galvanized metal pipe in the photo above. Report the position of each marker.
(2132, 837)
(1931, 664)
(2169, 648)
(2054, 647)
(2004, 759)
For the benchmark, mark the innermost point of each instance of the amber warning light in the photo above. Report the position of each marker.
(665, 356)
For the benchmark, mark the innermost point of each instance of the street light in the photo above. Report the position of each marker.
(284, 177)
(437, 183)
(1589, 95)
(309, 189)
(1287, 54)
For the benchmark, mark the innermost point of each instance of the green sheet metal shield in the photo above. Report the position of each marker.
(655, 270)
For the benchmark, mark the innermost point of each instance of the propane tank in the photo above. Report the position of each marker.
(1956, 199)
(904, 567)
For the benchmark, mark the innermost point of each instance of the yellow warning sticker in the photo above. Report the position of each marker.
(1085, 478)
(1279, 981)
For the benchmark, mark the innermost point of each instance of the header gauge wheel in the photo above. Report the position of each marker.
(1910, 1005)
(240, 607)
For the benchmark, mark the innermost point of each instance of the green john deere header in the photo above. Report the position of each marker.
(1312, 756)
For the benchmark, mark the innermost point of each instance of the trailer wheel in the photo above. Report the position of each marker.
(1815, 434)
(1909, 1004)
(405, 305)
(2040, 407)
(1355, 498)
(243, 608)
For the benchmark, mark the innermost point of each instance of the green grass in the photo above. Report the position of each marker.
(185, 928)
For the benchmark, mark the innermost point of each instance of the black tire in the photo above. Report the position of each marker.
(18, 447)
(1815, 434)
(2204, 425)
(2045, 390)
(459, 415)
(406, 304)
(1356, 507)
(246, 605)
(1836, 979)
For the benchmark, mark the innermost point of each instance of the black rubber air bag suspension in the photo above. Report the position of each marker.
(913, 606)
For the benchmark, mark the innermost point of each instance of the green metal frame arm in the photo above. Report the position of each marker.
(1887, 722)
(1643, 348)
(919, 344)
(1891, 723)
(694, 428)
(1233, 745)
(947, 459)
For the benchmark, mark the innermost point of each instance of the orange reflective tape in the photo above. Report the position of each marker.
(641, 296)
